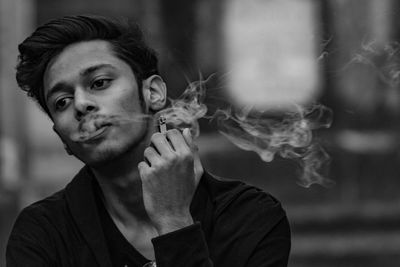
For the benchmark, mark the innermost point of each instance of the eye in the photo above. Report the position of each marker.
(100, 84)
(61, 103)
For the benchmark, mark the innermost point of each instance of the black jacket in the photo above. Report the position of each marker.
(236, 225)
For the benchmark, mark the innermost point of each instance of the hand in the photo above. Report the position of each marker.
(168, 180)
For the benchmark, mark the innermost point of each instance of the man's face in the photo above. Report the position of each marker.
(93, 98)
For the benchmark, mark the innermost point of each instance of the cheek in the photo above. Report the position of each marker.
(130, 101)
(64, 126)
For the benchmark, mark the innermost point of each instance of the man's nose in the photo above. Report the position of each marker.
(84, 103)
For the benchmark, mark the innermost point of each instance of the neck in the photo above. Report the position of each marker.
(121, 185)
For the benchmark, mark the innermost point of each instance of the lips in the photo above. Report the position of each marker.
(92, 131)
(92, 136)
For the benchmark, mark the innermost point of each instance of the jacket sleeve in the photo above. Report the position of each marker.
(28, 244)
(273, 250)
(184, 247)
(187, 247)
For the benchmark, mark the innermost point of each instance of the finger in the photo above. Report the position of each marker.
(160, 142)
(177, 140)
(152, 157)
(143, 167)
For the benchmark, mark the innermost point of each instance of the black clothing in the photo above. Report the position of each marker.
(236, 225)
(122, 253)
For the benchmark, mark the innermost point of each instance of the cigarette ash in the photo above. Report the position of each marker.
(162, 124)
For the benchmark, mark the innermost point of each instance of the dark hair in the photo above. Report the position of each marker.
(35, 52)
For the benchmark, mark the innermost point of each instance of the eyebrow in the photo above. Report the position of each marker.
(60, 86)
(94, 68)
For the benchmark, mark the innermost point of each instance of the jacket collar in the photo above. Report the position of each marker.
(201, 207)
(81, 202)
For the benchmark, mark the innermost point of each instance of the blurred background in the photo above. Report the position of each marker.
(341, 53)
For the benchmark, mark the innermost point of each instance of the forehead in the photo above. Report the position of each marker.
(75, 58)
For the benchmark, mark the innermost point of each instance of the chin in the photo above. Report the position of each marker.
(98, 158)
(105, 153)
(110, 148)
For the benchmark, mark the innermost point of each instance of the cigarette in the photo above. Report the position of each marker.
(162, 124)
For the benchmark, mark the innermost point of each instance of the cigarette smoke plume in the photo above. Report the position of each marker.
(288, 134)
(383, 58)
(93, 122)
(185, 111)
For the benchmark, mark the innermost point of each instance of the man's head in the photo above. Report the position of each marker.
(36, 51)
(97, 81)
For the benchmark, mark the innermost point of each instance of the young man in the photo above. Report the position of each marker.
(143, 196)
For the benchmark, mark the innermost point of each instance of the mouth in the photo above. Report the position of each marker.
(92, 136)
(90, 131)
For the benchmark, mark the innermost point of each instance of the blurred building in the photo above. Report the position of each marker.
(343, 53)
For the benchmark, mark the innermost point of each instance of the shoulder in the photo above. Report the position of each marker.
(238, 205)
(227, 194)
(248, 224)
(41, 213)
(35, 228)
(55, 208)
(53, 202)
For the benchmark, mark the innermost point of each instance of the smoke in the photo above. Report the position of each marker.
(185, 111)
(89, 126)
(288, 134)
(384, 59)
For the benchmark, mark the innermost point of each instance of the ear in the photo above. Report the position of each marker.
(154, 92)
(67, 149)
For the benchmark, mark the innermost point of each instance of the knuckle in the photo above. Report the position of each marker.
(167, 165)
(186, 155)
(155, 166)
(170, 157)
